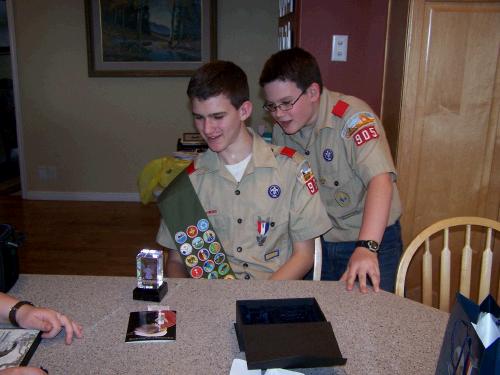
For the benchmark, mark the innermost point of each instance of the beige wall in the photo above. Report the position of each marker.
(96, 134)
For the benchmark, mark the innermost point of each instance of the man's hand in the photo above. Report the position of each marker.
(362, 264)
(48, 321)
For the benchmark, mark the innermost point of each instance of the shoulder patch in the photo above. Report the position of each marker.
(340, 108)
(306, 177)
(356, 122)
(287, 151)
(190, 168)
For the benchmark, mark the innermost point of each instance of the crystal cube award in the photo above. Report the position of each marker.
(150, 284)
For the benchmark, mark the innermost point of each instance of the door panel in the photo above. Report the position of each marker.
(449, 141)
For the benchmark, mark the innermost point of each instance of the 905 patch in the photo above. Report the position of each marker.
(356, 122)
(364, 135)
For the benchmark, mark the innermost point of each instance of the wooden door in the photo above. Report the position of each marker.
(448, 153)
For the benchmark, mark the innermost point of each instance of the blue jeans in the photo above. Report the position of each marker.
(336, 256)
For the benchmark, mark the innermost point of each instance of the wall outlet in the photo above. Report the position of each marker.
(339, 47)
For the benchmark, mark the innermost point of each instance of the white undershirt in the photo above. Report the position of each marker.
(238, 169)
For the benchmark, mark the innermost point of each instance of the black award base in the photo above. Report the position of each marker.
(155, 294)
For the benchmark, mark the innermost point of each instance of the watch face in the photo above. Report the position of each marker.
(372, 245)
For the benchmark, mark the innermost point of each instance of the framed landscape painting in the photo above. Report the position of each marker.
(149, 37)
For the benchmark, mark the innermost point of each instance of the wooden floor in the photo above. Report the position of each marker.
(81, 238)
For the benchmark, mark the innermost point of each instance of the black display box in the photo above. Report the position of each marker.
(153, 294)
(285, 333)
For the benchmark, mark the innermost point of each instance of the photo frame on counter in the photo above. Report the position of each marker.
(153, 38)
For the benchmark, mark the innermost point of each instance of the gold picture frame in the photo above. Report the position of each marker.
(149, 38)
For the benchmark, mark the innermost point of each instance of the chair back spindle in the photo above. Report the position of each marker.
(444, 285)
(486, 267)
(465, 269)
(427, 274)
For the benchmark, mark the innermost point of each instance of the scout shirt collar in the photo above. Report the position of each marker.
(262, 156)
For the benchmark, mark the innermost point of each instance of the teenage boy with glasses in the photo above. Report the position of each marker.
(346, 146)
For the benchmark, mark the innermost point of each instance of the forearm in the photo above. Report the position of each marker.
(6, 303)
(299, 263)
(377, 208)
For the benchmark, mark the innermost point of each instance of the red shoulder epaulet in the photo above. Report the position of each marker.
(287, 151)
(190, 168)
(339, 108)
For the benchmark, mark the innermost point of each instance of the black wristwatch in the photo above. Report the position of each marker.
(371, 245)
(13, 311)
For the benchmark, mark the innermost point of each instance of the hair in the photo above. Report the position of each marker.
(219, 77)
(295, 65)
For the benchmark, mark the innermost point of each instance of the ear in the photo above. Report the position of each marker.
(313, 92)
(245, 110)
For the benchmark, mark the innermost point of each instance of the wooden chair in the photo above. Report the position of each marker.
(487, 225)
(318, 259)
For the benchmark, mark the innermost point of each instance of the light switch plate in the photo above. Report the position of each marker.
(339, 47)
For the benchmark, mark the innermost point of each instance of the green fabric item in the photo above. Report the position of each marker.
(194, 236)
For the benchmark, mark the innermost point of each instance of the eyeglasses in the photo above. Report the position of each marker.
(285, 106)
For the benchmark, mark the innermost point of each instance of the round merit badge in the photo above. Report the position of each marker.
(180, 237)
(208, 266)
(213, 275)
(328, 154)
(186, 249)
(192, 231)
(196, 272)
(229, 277)
(198, 243)
(203, 255)
(219, 258)
(223, 269)
(202, 225)
(214, 247)
(209, 236)
(191, 260)
(274, 191)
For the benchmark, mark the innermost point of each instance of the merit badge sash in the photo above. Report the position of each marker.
(194, 236)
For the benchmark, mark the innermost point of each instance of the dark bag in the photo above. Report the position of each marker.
(10, 240)
(462, 352)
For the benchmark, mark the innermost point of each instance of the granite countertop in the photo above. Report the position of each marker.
(377, 333)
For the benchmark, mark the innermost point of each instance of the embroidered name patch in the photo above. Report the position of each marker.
(271, 255)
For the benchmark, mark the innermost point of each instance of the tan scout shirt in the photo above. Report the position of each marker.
(273, 191)
(345, 151)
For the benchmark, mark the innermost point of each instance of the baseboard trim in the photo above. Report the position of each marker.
(82, 196)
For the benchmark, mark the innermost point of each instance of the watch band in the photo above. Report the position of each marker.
(13, 311)
(371, 245)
